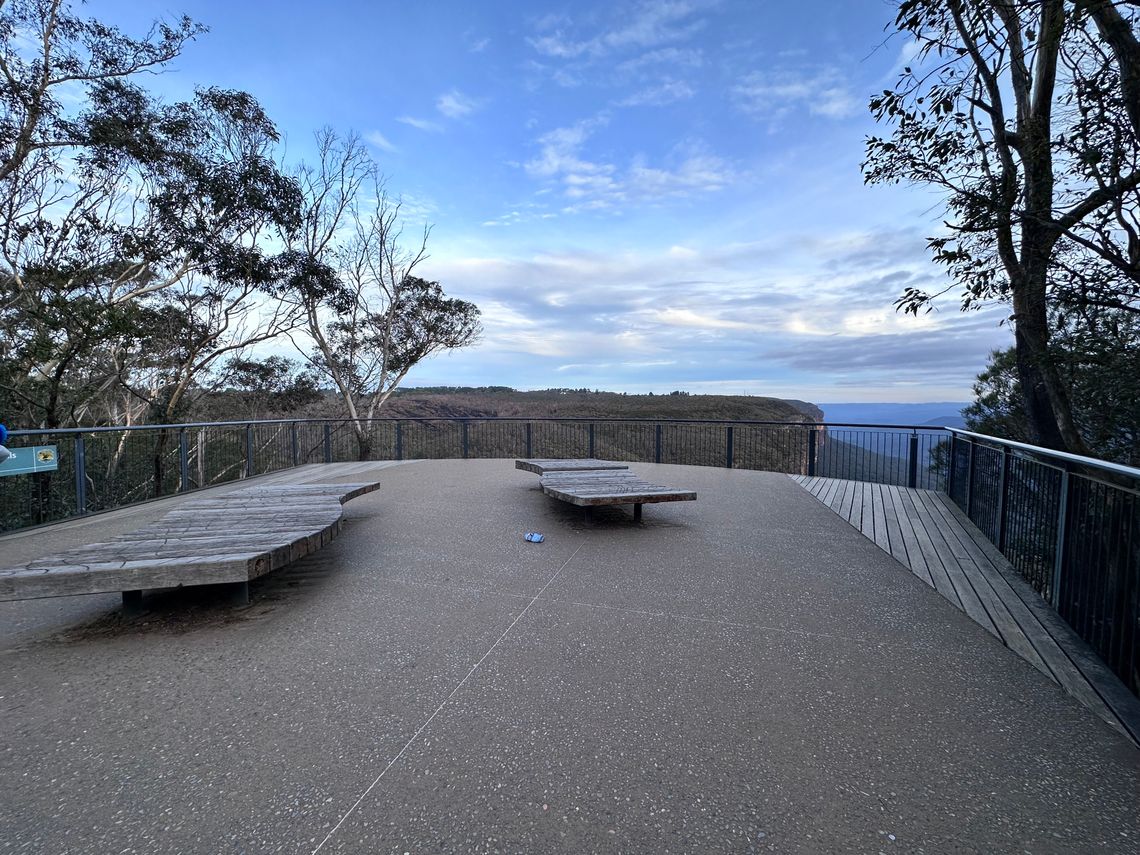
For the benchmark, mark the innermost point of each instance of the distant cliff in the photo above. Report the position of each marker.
(577, 403)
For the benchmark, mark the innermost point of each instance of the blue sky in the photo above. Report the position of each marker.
(640, 196)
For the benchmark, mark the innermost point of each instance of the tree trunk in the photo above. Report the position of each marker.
(363, 441)
(1048, 409)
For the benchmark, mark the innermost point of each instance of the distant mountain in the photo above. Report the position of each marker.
(935, 414)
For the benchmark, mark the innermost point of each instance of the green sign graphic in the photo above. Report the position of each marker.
(34, 458)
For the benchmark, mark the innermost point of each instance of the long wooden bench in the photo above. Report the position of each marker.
(583, 483)
(227, 539)
(542, 466)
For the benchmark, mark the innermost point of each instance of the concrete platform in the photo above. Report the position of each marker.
(746, 673)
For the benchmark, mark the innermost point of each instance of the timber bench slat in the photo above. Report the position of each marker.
(541, 466)
(214, 539)
(589, 483)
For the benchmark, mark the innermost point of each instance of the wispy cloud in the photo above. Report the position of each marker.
(479, 45)
(664, 93)
(772, 95)
(380, 141)
(671, 56)
(456, 105)
(594, 185)
(650, 24)
(421, 124)
(741, 315)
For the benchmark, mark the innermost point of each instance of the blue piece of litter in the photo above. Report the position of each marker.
(534, 537)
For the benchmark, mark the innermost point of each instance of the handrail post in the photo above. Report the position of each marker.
(657, 444)
(591, 454)
(80, 475)
(951, 465)
(465, 441)
(1003, 486)
(912, 461)
(328, 443)
(529, 442)
(1059, 548)
(295, 444)
(399, 440)
(728, 447)
(970, 483)
(248, 450)
(811, 452)
(183, 461)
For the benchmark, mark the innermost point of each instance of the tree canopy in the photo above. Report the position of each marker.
(1026, 115)
(146, 247)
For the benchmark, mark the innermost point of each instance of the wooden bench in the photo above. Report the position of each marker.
(586, 485)
(541, 467)
(226, 539)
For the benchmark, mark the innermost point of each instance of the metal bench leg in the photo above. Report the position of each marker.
(132, 602)
(637, 513)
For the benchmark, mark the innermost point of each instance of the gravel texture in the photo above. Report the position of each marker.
(743, 673)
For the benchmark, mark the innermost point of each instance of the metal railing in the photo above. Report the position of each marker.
(1070, 525)
(100, 469)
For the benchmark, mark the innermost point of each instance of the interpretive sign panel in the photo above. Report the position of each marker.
(33, 458)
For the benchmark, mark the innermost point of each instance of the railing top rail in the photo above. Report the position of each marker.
(1037, 451)
(579, 419)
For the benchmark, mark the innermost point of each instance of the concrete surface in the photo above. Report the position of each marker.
(743, 673)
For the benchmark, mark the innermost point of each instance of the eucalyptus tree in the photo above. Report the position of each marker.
(368, 318)
(1026, 115)
(146, 261)
(50, 56)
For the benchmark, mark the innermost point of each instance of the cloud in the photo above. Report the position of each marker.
(380, 141)
(479, 45)
(592, 185)
(782, 315)
(649, 25)
(671, 57)
(559, 150)
(421, 124)
(456, 105)
(772, 95)
(658, 96)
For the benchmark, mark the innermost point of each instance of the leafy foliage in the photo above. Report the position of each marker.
(1026, 114)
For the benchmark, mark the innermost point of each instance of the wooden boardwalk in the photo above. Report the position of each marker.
(927, 533)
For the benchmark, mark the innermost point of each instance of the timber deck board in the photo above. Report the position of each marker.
(929, 535)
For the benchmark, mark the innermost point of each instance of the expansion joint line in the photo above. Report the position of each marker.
(444, 703)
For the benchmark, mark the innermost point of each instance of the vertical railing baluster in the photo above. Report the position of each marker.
(912, 461)
(200, 457)
(811, 452)
(1059, 544)
(952, 464)
(657, 443)
(399, 440)
(328, 443)
(80, 452)
(183, 461)
(295, 443)
(1003, 486)
(591, 454)
(465, 439)
(728, 450)
(529, 441)
(248, 451)
(970, 481)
